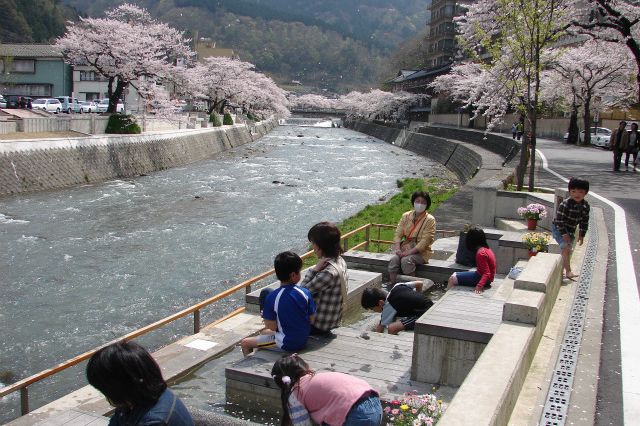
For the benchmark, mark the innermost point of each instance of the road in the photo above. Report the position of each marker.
(618, 392)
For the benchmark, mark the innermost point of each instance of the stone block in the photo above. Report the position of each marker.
(543, 273)
(523, 307)
(484, 203)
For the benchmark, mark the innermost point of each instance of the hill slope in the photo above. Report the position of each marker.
(335, 44)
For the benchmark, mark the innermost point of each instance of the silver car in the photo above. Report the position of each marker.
(47, 104)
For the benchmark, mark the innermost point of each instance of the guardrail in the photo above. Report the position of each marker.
(22, 386)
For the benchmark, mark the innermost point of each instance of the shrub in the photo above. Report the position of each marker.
(215, 119)
(251, 117)
(122, 124)
(227, 121)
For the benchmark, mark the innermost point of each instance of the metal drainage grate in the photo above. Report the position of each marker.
(557, 403)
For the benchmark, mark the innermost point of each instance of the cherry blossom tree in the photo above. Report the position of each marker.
(378, 104)
(128, 46)
(219, 80)
(594, 70)
(616, 21)
(312, 101)
(508, 38)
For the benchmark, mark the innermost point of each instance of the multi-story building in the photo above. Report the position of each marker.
(34, 70)
(442, 33)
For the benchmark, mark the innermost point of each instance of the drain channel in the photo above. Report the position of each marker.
(559, 394)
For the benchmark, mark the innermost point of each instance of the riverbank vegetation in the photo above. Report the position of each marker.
(390, 211)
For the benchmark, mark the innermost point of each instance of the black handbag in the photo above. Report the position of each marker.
(464, 256)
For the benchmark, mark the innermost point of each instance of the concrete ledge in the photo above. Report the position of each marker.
(543, 273)
(490, 391)
(523, 307)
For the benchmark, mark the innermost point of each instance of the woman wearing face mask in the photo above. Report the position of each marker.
(413, 239)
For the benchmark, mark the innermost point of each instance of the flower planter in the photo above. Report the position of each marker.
(532, 253)
(532, 224)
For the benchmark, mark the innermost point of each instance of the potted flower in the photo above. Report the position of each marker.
(414, 409)
(536, 242)
(533, 213)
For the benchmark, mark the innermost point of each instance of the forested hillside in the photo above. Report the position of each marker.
(26, 21)
(334, 44)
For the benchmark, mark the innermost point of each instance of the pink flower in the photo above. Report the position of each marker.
(395, 411)
(387, 409)
(414, 411)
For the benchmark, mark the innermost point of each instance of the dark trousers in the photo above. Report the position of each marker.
(629, 154)
(617, 158)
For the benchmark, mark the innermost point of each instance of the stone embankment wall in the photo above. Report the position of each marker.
(27, 166)
(461, 151)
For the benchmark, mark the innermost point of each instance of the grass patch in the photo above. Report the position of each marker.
(390, 212)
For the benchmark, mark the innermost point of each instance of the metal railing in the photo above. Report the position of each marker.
(22, 386)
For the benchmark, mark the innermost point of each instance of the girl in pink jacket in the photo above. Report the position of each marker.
(328, 397)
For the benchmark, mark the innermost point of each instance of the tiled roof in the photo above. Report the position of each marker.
(30, 51)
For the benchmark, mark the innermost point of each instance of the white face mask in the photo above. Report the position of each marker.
(419, 207)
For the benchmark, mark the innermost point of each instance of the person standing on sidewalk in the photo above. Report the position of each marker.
(632, 147)
(618, 143)
(571, 212)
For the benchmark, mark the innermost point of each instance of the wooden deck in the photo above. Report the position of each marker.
(383, 360)
(462, 315)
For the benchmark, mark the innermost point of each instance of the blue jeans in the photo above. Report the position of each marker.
(558, 237)
(366, 412)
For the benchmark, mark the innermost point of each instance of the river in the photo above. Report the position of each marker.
(84, 265)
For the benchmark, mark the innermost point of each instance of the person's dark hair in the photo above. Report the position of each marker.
(285, 263)
(576, 183)
(326, 235)
(475, 239)
(634, 125)
(423, 195)
(622, 122)
(127, 375)
(372, 296)
(293, 367)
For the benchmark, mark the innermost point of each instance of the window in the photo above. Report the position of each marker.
(18, 65)
(90, 96)
(87, 76)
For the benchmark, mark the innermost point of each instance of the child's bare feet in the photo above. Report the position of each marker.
(571, 275)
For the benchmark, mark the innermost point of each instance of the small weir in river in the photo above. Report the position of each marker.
(85, 265)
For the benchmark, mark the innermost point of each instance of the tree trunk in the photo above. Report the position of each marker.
(533, 121)
(586, 121)
(116, 95)
(524, 159)
(573, 125)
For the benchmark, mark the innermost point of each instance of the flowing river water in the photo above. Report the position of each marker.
(82, 266)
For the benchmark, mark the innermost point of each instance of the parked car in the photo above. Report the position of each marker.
(599, 137)
(47, 104)
(103, 105)
(67, 103)
(86, 107)
(3, 102)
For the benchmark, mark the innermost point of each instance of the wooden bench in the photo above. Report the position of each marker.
(449, 337)
(358, 282)
(383, 360)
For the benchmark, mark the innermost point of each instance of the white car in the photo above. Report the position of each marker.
(103, 105)
(599, 137)
(86, 106)
(3, 102)
(47, 104)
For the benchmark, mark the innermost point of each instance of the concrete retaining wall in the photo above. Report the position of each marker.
(27, 166)
(460, 159)
(8, 127)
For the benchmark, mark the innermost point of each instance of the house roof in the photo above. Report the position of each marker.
(431, 72)
(30, 51)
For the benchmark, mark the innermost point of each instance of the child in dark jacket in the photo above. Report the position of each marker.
(399, 308)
